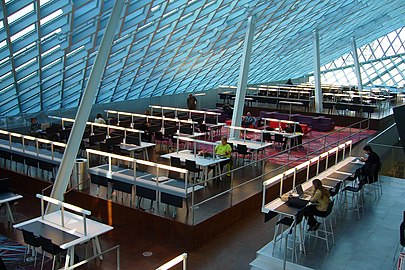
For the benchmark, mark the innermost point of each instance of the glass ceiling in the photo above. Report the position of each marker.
(47, 47)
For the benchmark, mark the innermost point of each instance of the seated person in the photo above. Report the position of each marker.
(320, 202)
(248, 120)
(99, 119)
(35, 127)
(370, 158)
(224, 150)
(290, 129)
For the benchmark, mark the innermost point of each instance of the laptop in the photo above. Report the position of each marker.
(301, 193)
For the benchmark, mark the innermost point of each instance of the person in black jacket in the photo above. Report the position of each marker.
(370, 158)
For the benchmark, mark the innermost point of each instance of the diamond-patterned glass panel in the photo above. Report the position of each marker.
(381, 63)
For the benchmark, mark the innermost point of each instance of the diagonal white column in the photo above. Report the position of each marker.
(243, 77)
(83, 112)
(356, 64)
(317, 73)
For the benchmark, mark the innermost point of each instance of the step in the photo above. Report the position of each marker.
(272, 263)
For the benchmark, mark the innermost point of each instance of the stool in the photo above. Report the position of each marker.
(326, 230)
(291, 224)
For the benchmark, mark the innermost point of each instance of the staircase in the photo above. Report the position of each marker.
(265, 261)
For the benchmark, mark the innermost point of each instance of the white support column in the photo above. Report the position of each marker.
(243, 77)
(83, 112)
(317, 73)
(356, 64)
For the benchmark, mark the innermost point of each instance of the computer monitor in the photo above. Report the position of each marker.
(211, 120)
(133, 139)
(96, 138)
(125, 123)
(114, 140)
(186, 130)
(170, 131)
(154, 128)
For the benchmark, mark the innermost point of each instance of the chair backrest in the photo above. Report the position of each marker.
(334, 191)
(266, 137)
(242, 149)
(4, 184)
(48, 246)
(191, 165)
(278, 138)
(30, 238)
(175, 162)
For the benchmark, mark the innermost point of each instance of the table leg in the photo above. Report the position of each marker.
(10, 216)
(146, 154)
(98, 247)
(69, 257)
(205, 173)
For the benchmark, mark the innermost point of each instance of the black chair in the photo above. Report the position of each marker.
(204, 129)
(326, 230)
(51, 248)
(47, 167)
(334, 193)
(357, 197)
(32, 242)
(123, 188)
(191, 166)
(31, 163)
(279, 139)
(2, 265)
(5, 156)
(291, 223)
(241, 149)
(160, 138)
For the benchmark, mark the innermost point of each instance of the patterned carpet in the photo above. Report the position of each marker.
(313, 144)
(12, 254)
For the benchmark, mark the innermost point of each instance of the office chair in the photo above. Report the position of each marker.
(51, 248)
(32, 242)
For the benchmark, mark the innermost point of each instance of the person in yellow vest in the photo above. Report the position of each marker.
(224, 150)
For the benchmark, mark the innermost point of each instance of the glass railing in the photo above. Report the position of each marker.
(387, 145)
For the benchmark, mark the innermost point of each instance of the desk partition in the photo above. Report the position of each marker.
(190, 113)
(149, 118)
(64, 206)
(93, 126)
(155, 178)
(30, 146)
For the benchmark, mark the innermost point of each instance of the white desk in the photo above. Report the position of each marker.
(6, 198)
(276, 205)
(69, 235)
(201, 161)
(255, 146)
(132, 148)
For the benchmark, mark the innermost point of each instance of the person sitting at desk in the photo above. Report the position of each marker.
(224, 150)
(290, 129)
(34, 127)
(370, 158)
(289, 82)
(248, 120)
(99, 119)
(320, 202)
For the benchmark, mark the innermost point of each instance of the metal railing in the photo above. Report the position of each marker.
(117, 248)
(175, 261)
(343, 134)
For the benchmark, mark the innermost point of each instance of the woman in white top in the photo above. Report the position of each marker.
(99, 119)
